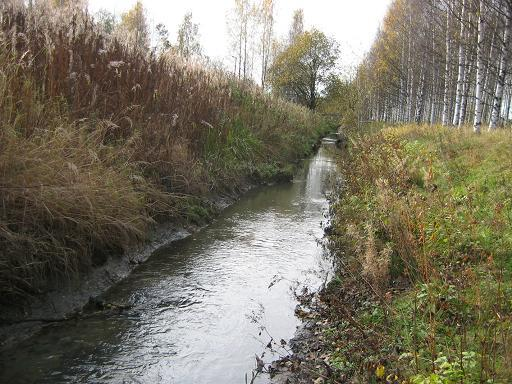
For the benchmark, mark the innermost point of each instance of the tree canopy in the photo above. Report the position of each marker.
(301, 70)
(188, 44)
(135, 27)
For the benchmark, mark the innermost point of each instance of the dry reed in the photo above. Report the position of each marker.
(98, 140)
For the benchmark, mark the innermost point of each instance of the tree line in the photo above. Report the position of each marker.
(440, 62)
(297, 67)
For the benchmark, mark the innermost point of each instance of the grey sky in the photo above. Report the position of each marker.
(352, 23)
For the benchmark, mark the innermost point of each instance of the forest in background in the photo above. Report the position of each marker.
(106, 132)
(440, 62)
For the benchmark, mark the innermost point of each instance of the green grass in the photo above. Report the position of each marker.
(426, 215)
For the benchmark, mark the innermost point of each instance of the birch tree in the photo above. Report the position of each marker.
(238, 26)
(134, 29)
(447, 72)
(188, 44)
(440, 61)
(162, 33)
(479, 106)
(504, 54)
(266, 21)
(297, 27)
(461, 66)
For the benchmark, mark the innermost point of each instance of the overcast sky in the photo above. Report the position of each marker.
(353, 23)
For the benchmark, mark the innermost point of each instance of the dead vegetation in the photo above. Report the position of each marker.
(98, 141)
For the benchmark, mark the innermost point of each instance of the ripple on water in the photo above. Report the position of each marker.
(198, 305)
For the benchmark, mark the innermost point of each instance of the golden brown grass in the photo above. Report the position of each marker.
(97, 141)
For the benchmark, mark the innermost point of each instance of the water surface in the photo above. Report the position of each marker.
(200, 308)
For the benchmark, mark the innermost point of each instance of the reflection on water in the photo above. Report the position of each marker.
(198, 305)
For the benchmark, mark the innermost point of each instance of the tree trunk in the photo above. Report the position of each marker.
(410, 74)
(488, 76)
(465, 93)
(402, 91)
(245, 51)
(462, 67)
(500, 82)
(421, 93)
(479, 70)
(507, 108)
(446, 102)
(240, 51)
(434, 74)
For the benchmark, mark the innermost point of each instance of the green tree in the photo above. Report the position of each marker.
(341, 101)
(134, 27)
(163, 38)
(188, 44)
(106, 21)
(303, 68)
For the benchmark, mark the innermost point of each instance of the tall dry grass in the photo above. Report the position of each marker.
(98, 140)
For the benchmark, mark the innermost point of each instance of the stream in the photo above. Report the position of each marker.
(202, 307)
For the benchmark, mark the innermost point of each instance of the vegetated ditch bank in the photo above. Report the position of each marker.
(101, 144)
(227, 290)
(79, 295)
(422, 229)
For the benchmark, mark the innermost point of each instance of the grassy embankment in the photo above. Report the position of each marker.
(99, 142)
(423, 228)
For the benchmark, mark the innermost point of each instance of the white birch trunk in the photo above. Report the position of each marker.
(434, 77)
(410, 75)
(487, 93)
(401, 95)
(468, 64)
(507, 108)
(446, 102)
(421, 92)
(500, 82)
(479, 105)
(433, 103)
(410, 81)
(465, 93)
(462, 67)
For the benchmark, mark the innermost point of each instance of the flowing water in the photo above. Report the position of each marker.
(200, 308)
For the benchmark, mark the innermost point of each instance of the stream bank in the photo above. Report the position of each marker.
(421, 233)
(331, 328)
(66, 299)
(202, 307)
